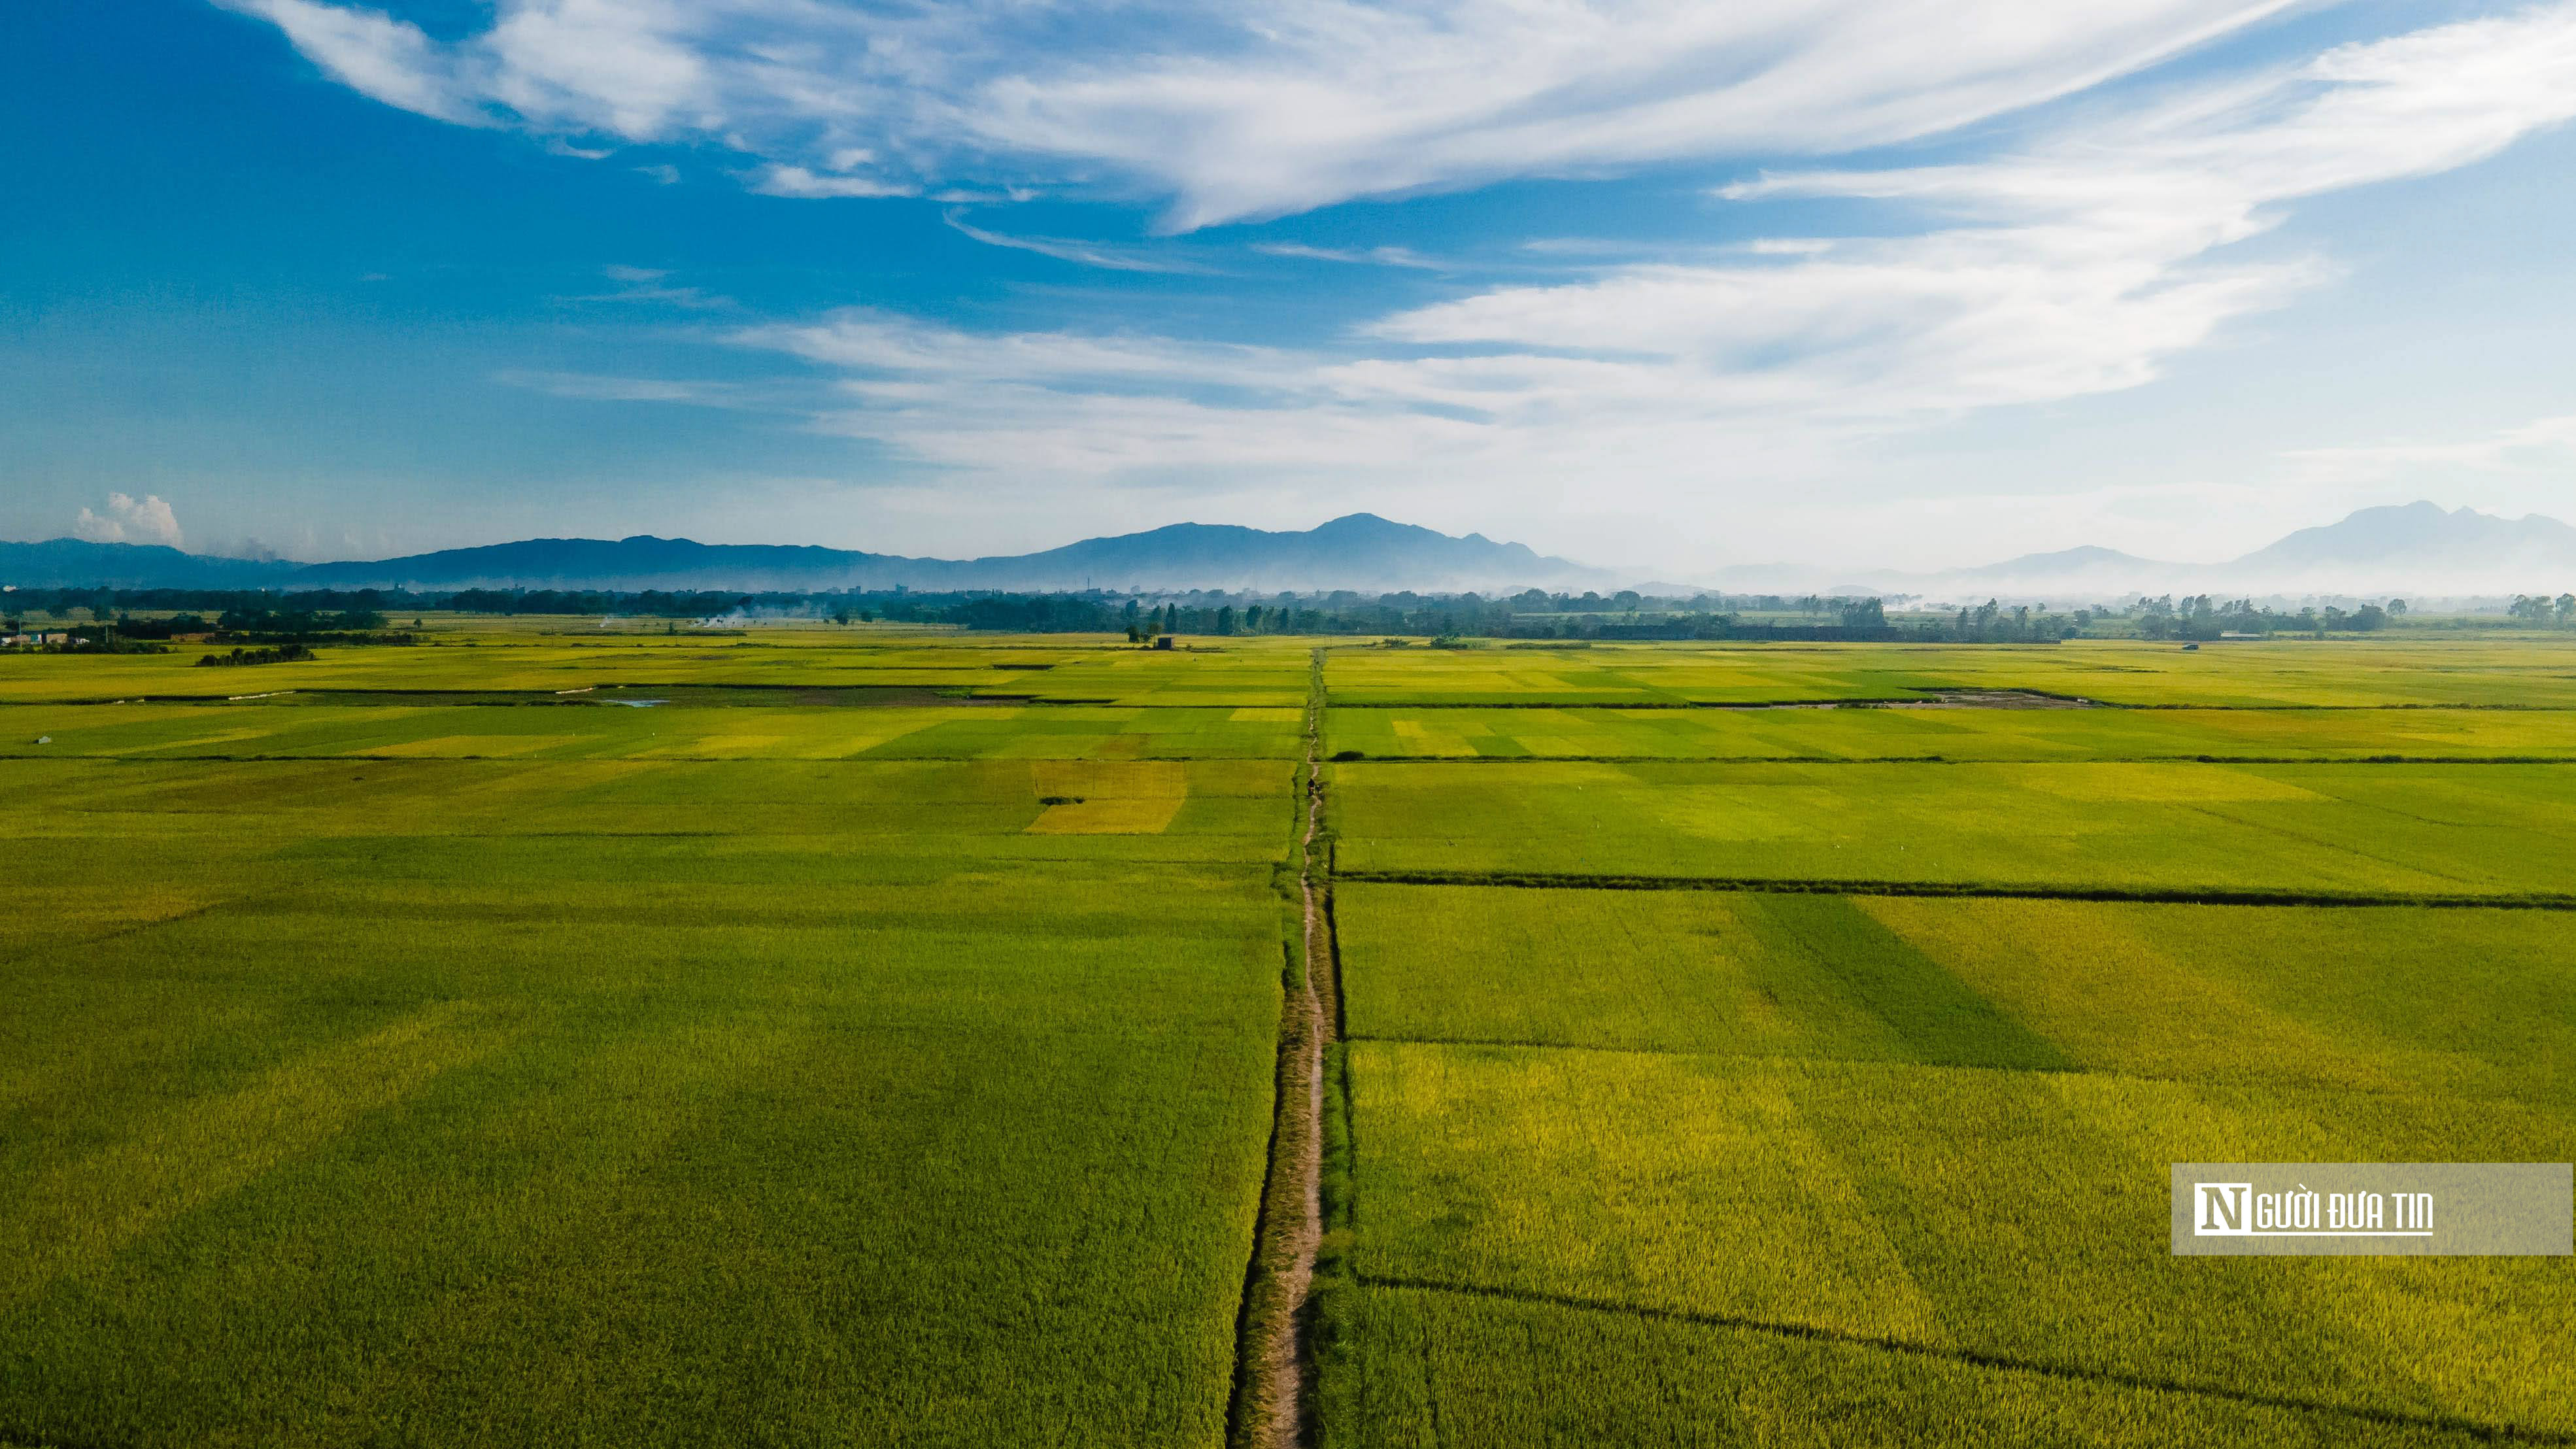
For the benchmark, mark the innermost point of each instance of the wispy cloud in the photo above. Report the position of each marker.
(593, 387)
(2080, 265)
(1081, 253)
(1354, 256)
(2543, 443)
(807, 184)
(2083, 262)
(650, 285)
(2070, 255)
(1236, 108)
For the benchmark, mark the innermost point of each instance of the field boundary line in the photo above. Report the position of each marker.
(1364, 759)
(1543, 880)
(1978, 1358)
(2085, 701)
(1274, 1360)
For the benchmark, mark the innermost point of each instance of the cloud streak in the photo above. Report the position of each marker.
(1353, 256)
(1242, 108)
(2083, 262)
(1080, 253)
(2077, 253)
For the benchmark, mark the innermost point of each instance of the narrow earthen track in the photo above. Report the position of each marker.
(1271, 1384)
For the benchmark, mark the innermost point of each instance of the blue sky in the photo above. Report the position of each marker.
(1862, 282)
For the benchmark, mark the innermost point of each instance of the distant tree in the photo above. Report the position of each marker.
(2397, 608)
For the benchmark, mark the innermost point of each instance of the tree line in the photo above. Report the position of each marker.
(129, 617)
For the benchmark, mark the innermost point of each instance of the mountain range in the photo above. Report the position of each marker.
(2419, 547)
(1359, 552)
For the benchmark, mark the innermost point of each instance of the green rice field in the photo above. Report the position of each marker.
(874, 1037)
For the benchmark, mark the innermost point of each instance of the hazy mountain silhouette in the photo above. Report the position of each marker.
(2419, 547)
(1362, 552)
(60, 563)
(2423, 537)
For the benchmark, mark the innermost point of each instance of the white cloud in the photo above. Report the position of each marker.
(1080, 253)
(130, 520)
(650, 285)
(2072, 261)
(2541, 444)
(2082, 263)
(587, 387)
(1368, 257)
(1236, 108)
(804, 184)
(379, 56)
(2087, 261)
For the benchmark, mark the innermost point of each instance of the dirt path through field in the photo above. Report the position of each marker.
(1271, 1381)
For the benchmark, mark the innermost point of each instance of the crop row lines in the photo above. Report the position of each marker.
(2493, 1433)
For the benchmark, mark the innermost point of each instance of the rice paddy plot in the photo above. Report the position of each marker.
(2475, 1003)
(2522, 673)
(1961, 733)
(1226, 810)
(1690, 971)
(1245, 672)
(505, 662)
(2014, 1217)
(582, 729)
(1411, 1368)
(327, 1117)
(2434, 830)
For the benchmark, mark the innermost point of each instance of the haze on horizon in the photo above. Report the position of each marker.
(1870, 283)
